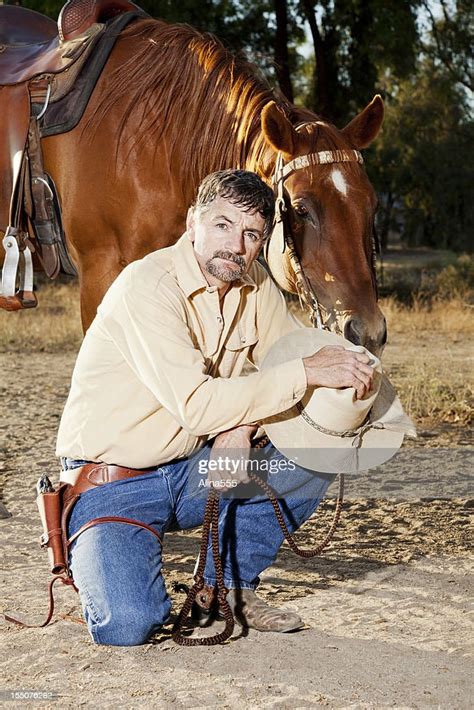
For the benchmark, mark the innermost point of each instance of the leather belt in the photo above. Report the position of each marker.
(92, 475)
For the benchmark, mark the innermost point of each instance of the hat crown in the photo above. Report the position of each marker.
(339, 410)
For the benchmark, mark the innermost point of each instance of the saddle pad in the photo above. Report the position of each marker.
(64, 115)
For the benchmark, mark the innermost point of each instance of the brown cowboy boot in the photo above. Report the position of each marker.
(249, 610)
(253, 612)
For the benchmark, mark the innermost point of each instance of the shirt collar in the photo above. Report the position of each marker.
(189, 274)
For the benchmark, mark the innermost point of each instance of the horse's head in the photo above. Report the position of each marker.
(330, 209)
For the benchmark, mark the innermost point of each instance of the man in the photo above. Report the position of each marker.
(157, 386)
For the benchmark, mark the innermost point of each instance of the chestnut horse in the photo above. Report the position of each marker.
(173, 105)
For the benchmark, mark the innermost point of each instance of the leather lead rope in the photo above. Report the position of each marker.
(210, 526)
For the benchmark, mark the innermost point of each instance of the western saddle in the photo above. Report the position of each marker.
(39, 62)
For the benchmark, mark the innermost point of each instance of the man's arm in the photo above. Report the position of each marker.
(150, 330)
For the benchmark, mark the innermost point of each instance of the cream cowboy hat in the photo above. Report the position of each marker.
(330, 430)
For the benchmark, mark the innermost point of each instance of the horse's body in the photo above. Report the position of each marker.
(170, 107)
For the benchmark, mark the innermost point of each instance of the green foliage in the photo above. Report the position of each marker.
(51, 8)
(451, 39)
(421, 165)
(427, 278)
(361, 40)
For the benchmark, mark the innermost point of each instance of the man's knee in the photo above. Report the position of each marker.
(127, 625)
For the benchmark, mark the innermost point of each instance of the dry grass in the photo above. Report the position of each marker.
(453, 318)
(428, 354)
(434, 390)
(429, 358)
(54, 326)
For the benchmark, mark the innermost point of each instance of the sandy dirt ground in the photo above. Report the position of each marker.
(387, 605)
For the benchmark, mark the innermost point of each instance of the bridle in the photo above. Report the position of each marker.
(281, 228)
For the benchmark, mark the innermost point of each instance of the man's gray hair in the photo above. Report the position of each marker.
(243, 188)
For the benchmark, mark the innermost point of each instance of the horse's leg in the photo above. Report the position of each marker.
(95, 277)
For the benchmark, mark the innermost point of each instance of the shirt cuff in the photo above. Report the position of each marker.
(290, 384)
(292, 378)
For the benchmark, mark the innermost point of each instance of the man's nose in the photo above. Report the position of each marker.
(236, 243)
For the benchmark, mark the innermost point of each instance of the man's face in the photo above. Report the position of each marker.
(226, 239)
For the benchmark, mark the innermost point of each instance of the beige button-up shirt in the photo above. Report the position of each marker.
(158, 372)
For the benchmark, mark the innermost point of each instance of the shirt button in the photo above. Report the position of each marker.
(219, 319)
(243, 339)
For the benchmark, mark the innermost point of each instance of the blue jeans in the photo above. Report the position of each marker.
(117, 567)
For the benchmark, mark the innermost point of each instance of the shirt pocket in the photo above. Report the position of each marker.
(243, 336)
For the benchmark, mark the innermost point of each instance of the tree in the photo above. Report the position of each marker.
(282, 60)
(422, 165)
(355, 43)
(450, 42)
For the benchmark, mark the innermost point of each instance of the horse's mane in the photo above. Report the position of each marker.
(185, 85)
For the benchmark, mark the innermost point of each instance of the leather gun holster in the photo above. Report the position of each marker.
(54, 509)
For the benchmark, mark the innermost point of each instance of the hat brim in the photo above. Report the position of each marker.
(294, 437)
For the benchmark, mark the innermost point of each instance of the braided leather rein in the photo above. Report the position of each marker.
(210, 527)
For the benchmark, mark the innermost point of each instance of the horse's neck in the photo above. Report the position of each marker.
(260, 157)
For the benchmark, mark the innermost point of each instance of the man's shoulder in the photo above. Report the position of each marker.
(152, 268)
(152, 277)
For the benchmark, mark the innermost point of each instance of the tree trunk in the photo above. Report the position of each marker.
(386, 221)
(321, 88)
(281, 49)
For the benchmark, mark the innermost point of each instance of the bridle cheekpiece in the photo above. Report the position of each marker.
(304, 288)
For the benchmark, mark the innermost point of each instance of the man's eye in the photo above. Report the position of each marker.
(253, 237)
(221, 225)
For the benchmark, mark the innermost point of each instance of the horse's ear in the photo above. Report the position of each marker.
(363, 129)
(277, 129)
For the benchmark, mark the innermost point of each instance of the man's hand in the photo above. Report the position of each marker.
(334, 366)
(230, 453)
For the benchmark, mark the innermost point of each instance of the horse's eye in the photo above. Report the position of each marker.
(300, 210)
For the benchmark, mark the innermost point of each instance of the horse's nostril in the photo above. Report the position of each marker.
(353, 331)
(356, 331)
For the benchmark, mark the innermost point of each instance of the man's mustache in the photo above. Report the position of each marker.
(240, 261)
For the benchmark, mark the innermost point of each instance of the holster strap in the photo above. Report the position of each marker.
(112, 519)
(61, 578)
(89, 476)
